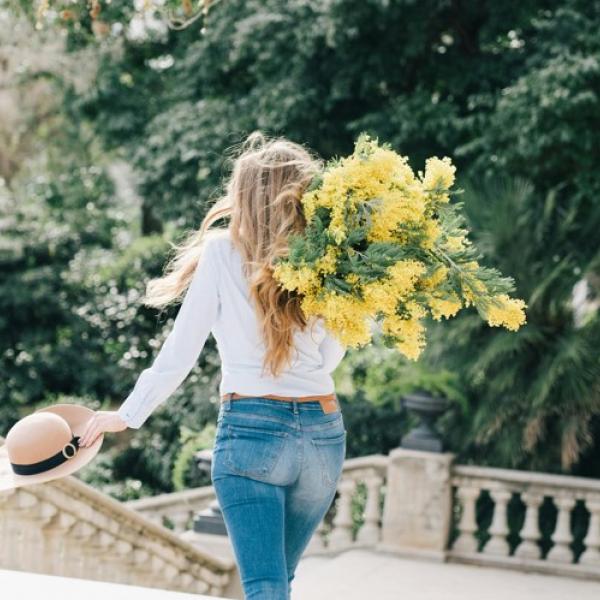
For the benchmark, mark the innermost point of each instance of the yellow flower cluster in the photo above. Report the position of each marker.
(506, 312)
(409, 333)
(328, 262)
(388, 252)
(383, 294)
(444, 307)
(346, 315)
(305, 280)
(439, 177)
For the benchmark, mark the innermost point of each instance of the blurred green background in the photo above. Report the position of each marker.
(116, 132)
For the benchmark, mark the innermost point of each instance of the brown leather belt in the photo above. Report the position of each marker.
(329, 402)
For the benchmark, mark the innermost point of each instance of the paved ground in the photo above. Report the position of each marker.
(360, 575)
(354, 575)
(17, 585)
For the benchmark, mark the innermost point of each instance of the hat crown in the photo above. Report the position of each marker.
(36, 437)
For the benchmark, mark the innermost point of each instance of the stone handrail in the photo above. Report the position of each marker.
(176, 509)
(66, 527)
(520, 480)
(502, 486)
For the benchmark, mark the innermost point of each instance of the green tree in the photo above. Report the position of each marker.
(509, 90)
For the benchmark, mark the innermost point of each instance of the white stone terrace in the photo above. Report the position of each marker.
(19, 585)
(352, 575)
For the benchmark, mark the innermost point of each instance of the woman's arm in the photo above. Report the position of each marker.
(182, 346)
(176, 357)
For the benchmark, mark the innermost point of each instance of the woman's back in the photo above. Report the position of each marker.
(241, 349)
(218, 302)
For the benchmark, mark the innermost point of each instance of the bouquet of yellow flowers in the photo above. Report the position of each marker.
(384, 244)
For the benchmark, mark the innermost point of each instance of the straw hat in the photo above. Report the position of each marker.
(44, 445)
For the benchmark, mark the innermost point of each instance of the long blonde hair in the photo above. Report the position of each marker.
(262, 200)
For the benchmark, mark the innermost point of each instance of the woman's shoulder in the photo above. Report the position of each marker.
(214, 234)
(217, 239)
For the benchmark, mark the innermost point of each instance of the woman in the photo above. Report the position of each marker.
(280, 441)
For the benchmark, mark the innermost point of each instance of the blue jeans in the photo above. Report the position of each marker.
(275, 469)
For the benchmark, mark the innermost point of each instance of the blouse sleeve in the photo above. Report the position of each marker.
(181, 348)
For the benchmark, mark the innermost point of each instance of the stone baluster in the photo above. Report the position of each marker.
(55, 541)
(180, 520)
(562, 537)
(163, 573)
(467, 526)
(49, 553)
(86, 564)
(185, 581)
(497, 544)
(38, 545)
(218, 579)
(123, 554)
(141, 565)
(155, 517)
(70, 552)
(370, 532)
(156, 577)
(199, 586)
(591, 555)
(110, 558)
(341, 534)
(530, 533)
(170, 576)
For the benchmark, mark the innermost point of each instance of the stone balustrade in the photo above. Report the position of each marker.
(360, 490)
(418, 503)
(411, 502)
(422, 504)
(66, 527)
(174, 510)
(513, 536)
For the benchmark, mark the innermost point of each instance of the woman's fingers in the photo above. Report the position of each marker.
(92, 438)
(88, 427)
(90, 433)
(99, 423)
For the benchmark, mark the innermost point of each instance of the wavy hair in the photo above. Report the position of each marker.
(262, 202)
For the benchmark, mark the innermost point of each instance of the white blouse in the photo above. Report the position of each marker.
(217, 301)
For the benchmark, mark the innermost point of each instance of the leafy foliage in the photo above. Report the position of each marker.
(535, 394)
(503, 88)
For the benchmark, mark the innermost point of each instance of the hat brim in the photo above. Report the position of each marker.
(77, 417)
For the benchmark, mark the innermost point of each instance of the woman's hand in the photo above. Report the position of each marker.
(102, 421)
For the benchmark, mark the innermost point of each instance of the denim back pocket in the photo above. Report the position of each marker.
(330, 447)
(253, 449)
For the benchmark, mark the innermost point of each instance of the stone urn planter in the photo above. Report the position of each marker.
(428, 408)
